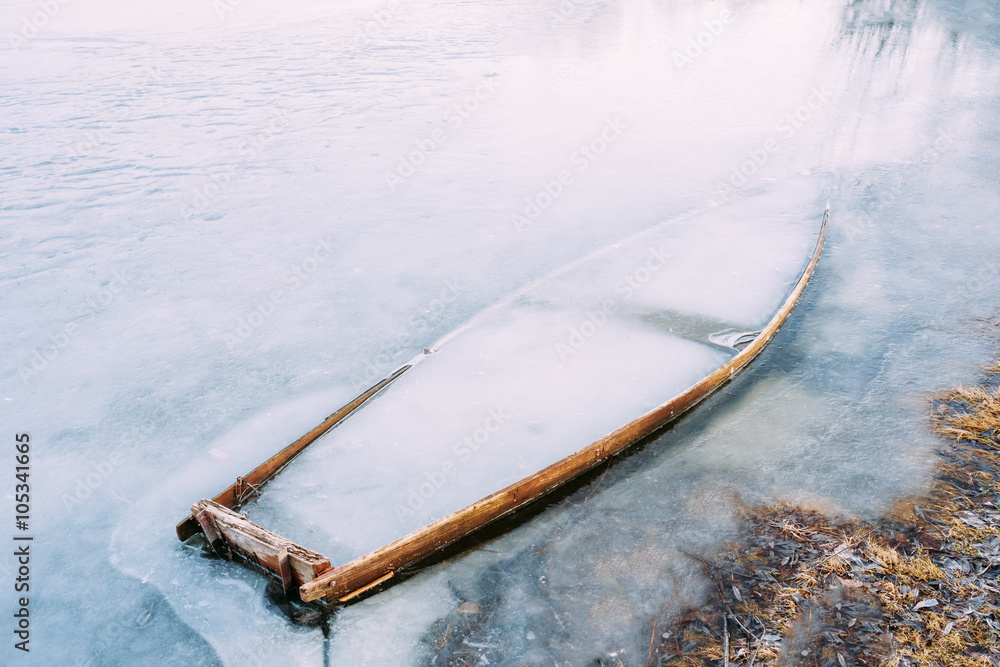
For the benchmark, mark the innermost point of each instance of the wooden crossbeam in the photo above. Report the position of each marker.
(263, 547)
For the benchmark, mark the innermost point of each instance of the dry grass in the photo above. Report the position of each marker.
(918, 587)
(977, 417)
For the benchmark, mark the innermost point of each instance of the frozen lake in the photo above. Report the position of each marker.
(221, 221)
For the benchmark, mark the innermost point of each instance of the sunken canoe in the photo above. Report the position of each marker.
(505, 401)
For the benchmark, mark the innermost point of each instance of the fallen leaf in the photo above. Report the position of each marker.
(971, 519)
(923, 604)
(468, 608)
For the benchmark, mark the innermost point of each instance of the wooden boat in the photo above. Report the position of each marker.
(231, 533)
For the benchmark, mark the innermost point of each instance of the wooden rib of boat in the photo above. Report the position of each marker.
(230, 533)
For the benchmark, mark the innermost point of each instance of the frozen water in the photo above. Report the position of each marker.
(219, 221)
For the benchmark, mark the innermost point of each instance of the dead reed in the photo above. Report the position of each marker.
(920, 586)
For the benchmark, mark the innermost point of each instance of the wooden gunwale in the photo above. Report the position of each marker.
(348, 581)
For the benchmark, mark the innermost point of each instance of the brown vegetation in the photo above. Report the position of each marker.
(918, 587)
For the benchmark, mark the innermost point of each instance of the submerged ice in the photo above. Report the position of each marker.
(544, 373)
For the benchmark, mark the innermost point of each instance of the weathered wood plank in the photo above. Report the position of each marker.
(285, 571)
(256, 478)
(339, 582)
(260, 546)
(212, 534)
(365, 589)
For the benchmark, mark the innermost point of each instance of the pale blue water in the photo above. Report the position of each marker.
(217, 228)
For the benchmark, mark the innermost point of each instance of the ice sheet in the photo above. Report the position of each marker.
(167, 170)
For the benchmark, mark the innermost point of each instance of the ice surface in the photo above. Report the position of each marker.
(204, 198)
